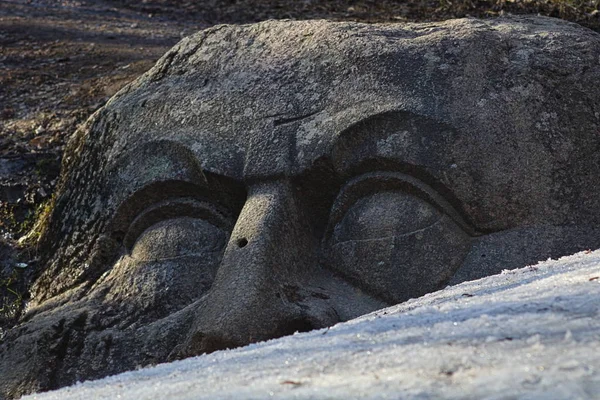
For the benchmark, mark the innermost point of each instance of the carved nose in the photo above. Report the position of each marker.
(258, 293)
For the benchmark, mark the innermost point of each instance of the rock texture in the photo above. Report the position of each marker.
(286, 176)
(532, 333)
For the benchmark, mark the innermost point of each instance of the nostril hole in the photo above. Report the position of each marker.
(242, 242)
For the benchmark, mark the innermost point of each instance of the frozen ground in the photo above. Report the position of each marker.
(531, 333)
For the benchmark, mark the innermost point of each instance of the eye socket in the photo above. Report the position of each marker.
(394, 236)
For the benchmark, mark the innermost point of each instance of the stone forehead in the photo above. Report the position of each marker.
(235, 83)
(509, 109)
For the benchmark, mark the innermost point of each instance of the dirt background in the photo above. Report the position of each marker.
(62, 60)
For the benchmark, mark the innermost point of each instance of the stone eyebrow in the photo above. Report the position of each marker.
(166, 171)
(151, 173)
(156, 161)
(398, 137)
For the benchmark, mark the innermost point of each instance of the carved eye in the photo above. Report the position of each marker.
(178, 237)
(176, 228)
(384, 215)
(174, 250)
(395, 236)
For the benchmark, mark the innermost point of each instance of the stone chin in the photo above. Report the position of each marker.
(285, 176)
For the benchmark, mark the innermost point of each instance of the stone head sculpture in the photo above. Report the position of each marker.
(280, 177)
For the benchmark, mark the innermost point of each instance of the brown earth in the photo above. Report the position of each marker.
(61, 60)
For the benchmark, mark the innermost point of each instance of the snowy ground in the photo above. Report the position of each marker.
(529, 333)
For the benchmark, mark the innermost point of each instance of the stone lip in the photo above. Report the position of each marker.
(527, 333)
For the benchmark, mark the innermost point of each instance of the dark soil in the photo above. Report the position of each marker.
(60, 60)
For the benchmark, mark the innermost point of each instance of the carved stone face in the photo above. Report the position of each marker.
(282, 177)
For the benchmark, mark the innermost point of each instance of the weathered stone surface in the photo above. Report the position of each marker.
(532, 333)
(286, 176)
